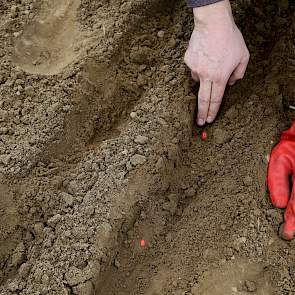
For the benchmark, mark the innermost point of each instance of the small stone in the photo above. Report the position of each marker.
(3, 130)
(250, 286)
(29, 90)
(128, 166)
(3, 115)
(173, 198)
(117, 263)
(84, 289)
(137, 160)
(133, 115)
(232, 113)
(73, 187)
(160, 164)
(190, 192)
(57, 182)
(5, 159)
(239, 243)
(170, 206)
(169, 238)
(271, 241)
(248, 180)
(241, 240)
(13, 286)
(38, 229)
(221, 136)
(2, 79)
(175, 140)
(161, 34)
(228, 252)
(141, 80)
(162, 122)
(14, 11)
(28, 237)
(17, 34)
(24, 269)
(18, 258)
(142, 215)
(20, 247)
(141, 68)
(66, 108)
(54, 220)
(172, 43)
(13, 8)
(45, 279)
(141, 139)
(67, 198)
(77, 276)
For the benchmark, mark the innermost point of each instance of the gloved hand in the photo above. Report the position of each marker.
(281, 169)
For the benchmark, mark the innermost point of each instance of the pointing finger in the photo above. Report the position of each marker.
(279, 169)
(203, 100)
(216, 98)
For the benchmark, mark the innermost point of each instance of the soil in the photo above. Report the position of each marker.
(99, 152)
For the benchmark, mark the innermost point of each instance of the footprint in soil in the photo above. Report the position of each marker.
(49, 44)
(239, 278)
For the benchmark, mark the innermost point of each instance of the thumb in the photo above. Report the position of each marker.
(239, 72)
(288, 229)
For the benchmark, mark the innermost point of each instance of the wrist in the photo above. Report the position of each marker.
(217, 14)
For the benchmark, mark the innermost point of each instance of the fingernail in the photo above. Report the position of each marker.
(201, 122)
(210, 119)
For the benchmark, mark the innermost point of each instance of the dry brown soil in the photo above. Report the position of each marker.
(99, 150)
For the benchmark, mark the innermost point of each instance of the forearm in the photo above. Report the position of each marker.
(218, 14)
(199, 3)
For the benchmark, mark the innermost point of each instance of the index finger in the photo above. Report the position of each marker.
(204, 100)
(216, 98)
(279, 170)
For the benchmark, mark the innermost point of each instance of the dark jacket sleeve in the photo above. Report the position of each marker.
(198, 3)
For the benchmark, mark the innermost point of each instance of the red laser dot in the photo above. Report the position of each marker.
(142, 243)
(204, 135)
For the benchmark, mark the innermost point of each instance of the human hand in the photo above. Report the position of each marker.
(217, 55)
(281, 166)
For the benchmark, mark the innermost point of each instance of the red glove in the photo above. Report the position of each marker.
(280, 168)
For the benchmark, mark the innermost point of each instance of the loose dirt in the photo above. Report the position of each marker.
(99, 150)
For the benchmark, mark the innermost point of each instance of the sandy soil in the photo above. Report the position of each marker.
(99, 150)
